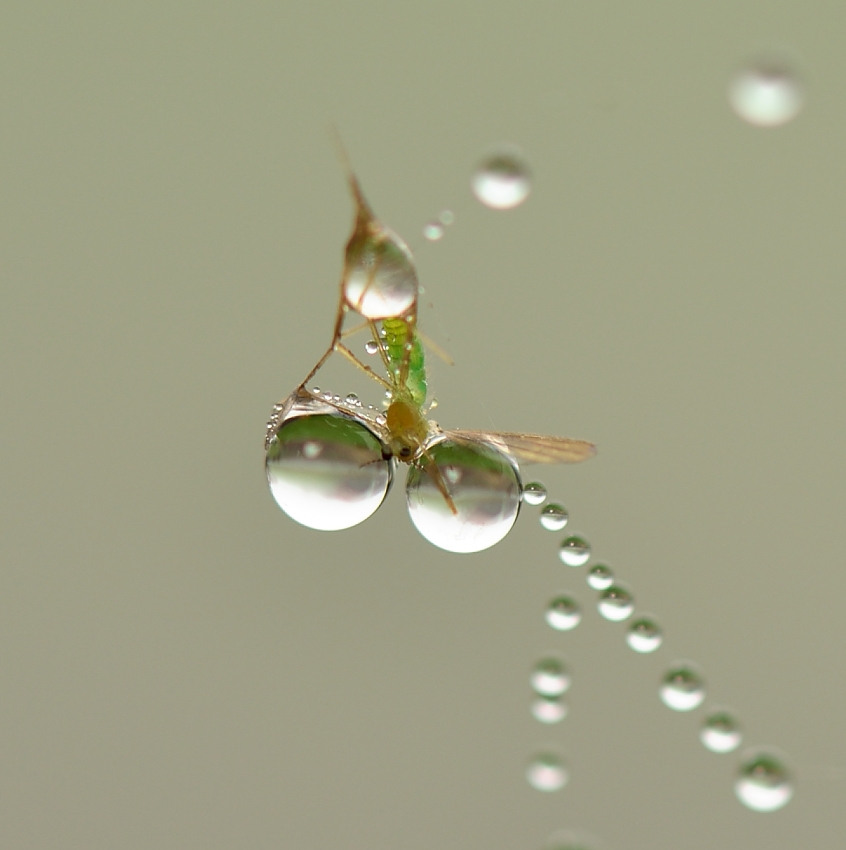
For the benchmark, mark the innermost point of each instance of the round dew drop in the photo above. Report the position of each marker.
(600, 577)
(534, 493)
(502, 180)
(763, 782)
(546, 772)
(563, 613)
(549, 709)
(644, 635)
(616, 603)
(766, 94)
(554, 517)
(574, 551)
(720, 732)
(550, 678)
(682, 688)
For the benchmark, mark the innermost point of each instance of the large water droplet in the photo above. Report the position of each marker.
(534, 493)
(766, 94)
(644, 635)
(325, 470)
(554, 517)
(682, 687)
(371, 346)
(380, 280)
(502, 180)
(763, 783)
(600, 577)
(720, 732)
(563, 613)
(549, 709)
(550, 678)
(574, 551)
(616, 603)
(546, 772)
(483, 484)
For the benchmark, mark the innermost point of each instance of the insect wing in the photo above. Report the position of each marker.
(531, 448)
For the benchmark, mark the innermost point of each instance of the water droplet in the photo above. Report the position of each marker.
(328, 396)
(546, 772)
(574, 551)
(534, 493)
(549, 709)
(433, 231)
(380, 419)
(616, 603)
(483, 484)
(600, 577)
(502, 181)
(720, 732)
(550, 678)
(554, 517)
(764, 783)
(316, 390)
(766, 94)
(682, 687)
(644, 635)
(326, 470)
(563, 613)
(380, 280)
(352, 400)
(371, 346)
(446, 217)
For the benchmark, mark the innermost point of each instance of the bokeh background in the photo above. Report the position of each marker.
(182, 666)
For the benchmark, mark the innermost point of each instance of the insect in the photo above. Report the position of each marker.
(379, 281)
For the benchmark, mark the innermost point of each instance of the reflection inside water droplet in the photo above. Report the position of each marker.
(502, 180)
(549, 709)
(600, 577)
(483, 484)
(563, 613)
(682, 687)
(616, 603)
(534, 493)
(766, 94)
(720, 732)
(325, 470)
(550, 678)
(644, 635)
(763, 783)
(554, 517)
(574, 551)
(546, 772)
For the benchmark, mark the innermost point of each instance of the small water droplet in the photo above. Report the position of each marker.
(328, 396)
(446, 217)
(563, 613)
(546, 772)
(483, 484)
(380, 419)
(600, 577)
(763, 782)
(550, 678)
(766, 94)
(616, 603)
(682, 687)
(720, 732)
(325, 470)
(316, 390)
(502, 180)
(549, 709)
(371, 346)
(554, 517)
(644, 635)
(574, 551)
(433, 231)
(352, 400)
(534, 493)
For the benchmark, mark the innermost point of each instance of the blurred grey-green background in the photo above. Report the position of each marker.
(182, 666)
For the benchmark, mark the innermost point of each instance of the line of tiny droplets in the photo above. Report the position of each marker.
(604, 582)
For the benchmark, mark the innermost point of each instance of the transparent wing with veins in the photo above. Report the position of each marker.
(530, 448)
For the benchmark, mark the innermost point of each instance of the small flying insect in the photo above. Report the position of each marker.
(379, 282)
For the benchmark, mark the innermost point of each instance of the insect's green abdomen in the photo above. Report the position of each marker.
(396, 338)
